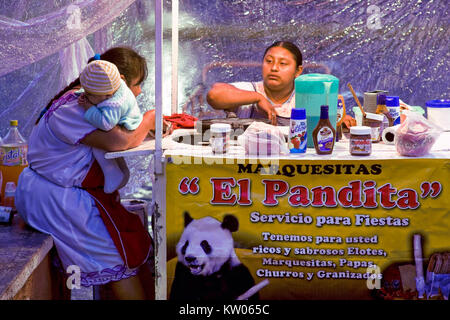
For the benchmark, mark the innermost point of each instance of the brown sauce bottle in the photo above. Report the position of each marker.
(324, 135)
(382, 109)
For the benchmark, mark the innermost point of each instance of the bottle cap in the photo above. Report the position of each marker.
(392, 101)
(14, 123)
(220, 127)
(374, 116)
(381, 99)
(298, 114)
(438, 103)
(10, 187)
(324, 112)
(360, 130)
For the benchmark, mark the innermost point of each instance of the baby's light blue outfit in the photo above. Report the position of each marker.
(121, 108)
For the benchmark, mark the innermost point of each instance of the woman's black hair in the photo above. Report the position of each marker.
(130, 64)
(292, 48)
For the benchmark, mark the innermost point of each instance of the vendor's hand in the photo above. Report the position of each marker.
(348, 121)
(268, 108)
(167, 129)
(84, 102)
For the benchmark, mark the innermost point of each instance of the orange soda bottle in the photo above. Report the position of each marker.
(13, 158)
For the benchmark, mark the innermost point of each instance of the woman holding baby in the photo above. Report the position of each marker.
(61, 192)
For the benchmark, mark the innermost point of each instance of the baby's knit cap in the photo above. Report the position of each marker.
(100, 77)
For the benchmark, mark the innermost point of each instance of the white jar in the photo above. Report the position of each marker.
(438, 112)
(220, 137)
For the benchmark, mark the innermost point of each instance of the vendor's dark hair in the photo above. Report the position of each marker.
(130, 64)
(292, 48)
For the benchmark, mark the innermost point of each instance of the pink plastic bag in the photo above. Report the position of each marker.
(416, 135)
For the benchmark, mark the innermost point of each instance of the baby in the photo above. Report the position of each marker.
(108, 102)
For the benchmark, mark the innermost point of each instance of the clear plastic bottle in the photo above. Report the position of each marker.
(14, 147)
(6, 215)
(10, 193)
(14, 150)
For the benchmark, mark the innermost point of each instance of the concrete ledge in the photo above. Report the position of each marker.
(22, 250)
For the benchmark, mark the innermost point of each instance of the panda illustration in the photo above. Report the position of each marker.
(208, 268)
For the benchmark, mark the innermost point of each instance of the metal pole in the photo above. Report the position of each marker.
(158, 84)
(175, 56)
(159, 190)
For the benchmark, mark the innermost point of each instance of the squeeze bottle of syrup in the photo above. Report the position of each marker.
(388, 121)
(324, 134)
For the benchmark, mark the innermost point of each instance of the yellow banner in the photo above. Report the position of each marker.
(313, 229)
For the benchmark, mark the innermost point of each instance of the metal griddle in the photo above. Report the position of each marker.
(237, 124)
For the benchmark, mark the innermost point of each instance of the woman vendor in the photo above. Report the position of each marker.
(61, 192)
(274, 96)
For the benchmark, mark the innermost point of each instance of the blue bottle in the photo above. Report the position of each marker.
(298, 137)
(393, 105)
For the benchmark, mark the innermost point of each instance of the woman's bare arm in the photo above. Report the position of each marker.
(118, 138)
(225, 96)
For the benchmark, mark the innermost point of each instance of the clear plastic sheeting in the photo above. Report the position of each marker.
(398, 46)
(43, 48)
(44, 45)
(27, 41)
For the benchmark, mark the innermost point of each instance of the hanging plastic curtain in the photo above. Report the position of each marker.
(399, 46)
(45, 45)
(25, 42)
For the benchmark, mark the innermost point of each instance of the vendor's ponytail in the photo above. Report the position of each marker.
(72, 85)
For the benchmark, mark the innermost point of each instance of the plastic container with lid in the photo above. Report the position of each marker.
(360, 141)
(438, 112)
(220, 137)
(313, 90)
(393, 105)
(374, 121)
(298, 137)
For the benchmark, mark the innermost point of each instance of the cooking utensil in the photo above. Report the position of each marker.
(356, 99)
